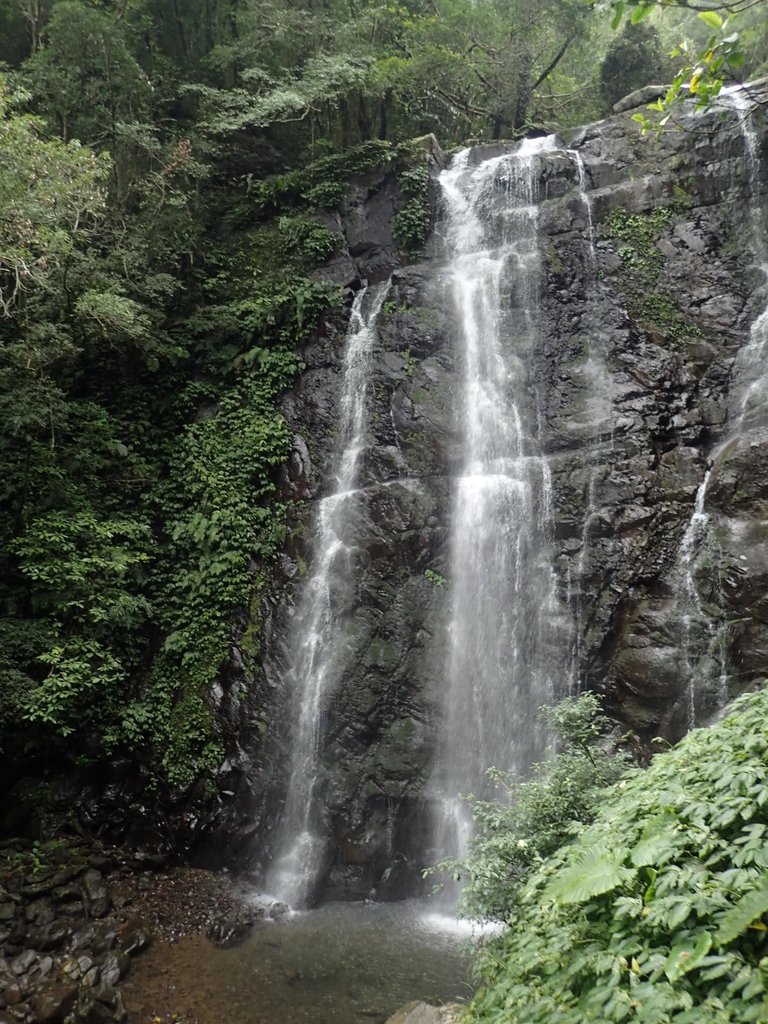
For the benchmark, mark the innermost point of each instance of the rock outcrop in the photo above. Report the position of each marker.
(423, 1013)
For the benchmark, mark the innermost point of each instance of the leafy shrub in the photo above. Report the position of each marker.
(304, 237)
(325, 195)
(220, 513)
(322, 182)
(413, 220)
(540, 813)
(657, 913)
(87, 571)
(284, 313)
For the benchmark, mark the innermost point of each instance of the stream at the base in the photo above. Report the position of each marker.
(344, 963)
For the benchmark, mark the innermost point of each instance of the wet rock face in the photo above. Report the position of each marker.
(647, 296)
(663, 632)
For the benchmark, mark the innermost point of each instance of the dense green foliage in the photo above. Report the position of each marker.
(658, 912)
(537, 814)
(162, 170)
(139, 440)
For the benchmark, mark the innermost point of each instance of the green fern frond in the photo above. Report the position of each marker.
(595, 871)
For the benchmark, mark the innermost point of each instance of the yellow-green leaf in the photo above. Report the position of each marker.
(711, 18)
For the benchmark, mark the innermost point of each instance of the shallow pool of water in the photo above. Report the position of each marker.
(344, 963)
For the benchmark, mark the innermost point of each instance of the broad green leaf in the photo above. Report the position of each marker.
(711, 18)
(656, 844)
(595, 871)
(739, 918)
(678, 913)
(640, 12)
(686, 956)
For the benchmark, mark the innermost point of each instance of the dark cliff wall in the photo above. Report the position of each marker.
(649, 292)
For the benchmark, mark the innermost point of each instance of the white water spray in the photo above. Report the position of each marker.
(503, 660)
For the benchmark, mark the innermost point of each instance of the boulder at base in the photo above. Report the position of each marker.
(419, 1012)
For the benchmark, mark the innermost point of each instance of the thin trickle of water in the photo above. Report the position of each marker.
(748, 400)
(735, 97)
(390, 829)
(701, 638)
(695, 533)
(586, 199)
(317, 644)
(502, 663)
(704, 638)
(599, 405)
(591, 512)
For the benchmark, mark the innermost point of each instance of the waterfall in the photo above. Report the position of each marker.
(503, 661)
(317, 640)
(513, 642)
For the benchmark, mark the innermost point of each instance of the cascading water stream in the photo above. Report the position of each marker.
(317, 636)
(586, 200)
(748, 402)
(703, 639)
(599, 404)
(503, 663)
